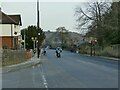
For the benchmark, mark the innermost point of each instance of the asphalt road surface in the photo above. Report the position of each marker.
(70, 71)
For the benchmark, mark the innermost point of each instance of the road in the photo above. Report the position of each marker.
(70, 71)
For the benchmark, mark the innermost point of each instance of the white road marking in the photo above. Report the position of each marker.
(33, 78)
(38, 65)
(33, 67)
(46, 86)
(44, 79)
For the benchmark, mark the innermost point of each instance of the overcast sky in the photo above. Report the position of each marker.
(54, 14)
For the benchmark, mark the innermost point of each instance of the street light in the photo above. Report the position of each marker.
(38, 41)
(34, 40)
(38, 33)
(38, 46)
(93, 42)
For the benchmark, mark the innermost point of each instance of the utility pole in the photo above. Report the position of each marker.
(38, 14)
(38, 27)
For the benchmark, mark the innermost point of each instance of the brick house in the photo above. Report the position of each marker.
(9, 30)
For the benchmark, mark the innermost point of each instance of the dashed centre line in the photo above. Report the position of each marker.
(44, 79)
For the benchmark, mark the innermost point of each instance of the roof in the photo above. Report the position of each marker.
(16, 18)
(10, 19)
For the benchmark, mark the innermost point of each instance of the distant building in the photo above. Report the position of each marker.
(10, 30)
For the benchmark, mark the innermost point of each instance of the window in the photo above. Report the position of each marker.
(14, 26)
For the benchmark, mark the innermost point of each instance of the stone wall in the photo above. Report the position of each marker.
(9, 57)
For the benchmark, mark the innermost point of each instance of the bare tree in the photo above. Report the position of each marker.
(93, 12)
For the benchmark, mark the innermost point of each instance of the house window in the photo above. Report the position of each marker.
(14, 26)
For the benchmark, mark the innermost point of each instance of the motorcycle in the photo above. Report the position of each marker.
(44, 52)
(58, 55)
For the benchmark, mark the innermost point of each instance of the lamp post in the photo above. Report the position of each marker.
(38, 46)
(38, 42)
(34, 40)
(92, 42)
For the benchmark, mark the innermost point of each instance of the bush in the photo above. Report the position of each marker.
(109, 51)
(106, 51)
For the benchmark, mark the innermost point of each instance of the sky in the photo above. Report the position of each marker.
(53, 13)
(58, 14)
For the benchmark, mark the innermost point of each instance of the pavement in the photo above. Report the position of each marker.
(110, 58)
(31, 62)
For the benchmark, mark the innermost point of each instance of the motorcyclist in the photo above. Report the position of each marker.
(58, 51)
(44, 51)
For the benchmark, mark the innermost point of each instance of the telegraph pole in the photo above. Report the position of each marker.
(38, 27)
(38, 14)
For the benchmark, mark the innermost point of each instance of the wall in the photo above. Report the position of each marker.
(17, 29)
(9, 29)
(10, 57)
(0, 33)
(6, 42)
(5, 30)
(0, 42)
(7, 36)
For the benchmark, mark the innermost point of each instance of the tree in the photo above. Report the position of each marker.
(63, 32)
(92, 17)
(61, 29)
(32, 31)
(92, 12)
(110, 26)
